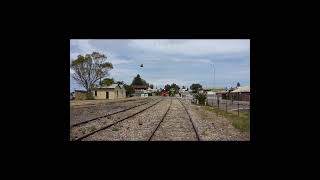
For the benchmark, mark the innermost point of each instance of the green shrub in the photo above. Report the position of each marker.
(89, 96)
(84, 96)
(201, 97)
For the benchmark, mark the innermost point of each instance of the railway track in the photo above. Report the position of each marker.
(109, 114)
(114, 123)
(193, 126)
(160, 122)
(195, 130)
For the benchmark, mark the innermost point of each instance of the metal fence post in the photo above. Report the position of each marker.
(226, 105)
(212, 101)
(238, 104)
(238, 108)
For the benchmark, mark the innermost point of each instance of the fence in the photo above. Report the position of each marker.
(222, 104)
(228, 105)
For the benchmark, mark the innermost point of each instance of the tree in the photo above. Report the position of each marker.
(139, 81)
(107, 82)
(88, 69)
(238, 84)
(175, 87)
(120, 82)
(195, 87)
(129, 89)
(172, 92)
(151, 86)
(201, 97)
(167, 87)
(183, 87)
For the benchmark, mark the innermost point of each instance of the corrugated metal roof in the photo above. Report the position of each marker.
(242, 89)
(139, 87)
(210, 92)
(112, 86)
(221, 92)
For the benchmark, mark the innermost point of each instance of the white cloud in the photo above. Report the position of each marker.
(114, 59)
(123, 72)
(193, 60)
(192, 47)
(84, 46)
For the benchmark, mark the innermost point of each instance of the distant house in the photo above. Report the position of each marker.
(114, 91)
(241, 93)
(211, 93)
(184, 92)
(222, 94)
(140, 90)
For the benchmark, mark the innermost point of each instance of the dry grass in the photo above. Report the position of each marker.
(242, 122)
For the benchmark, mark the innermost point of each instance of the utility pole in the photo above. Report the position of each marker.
(214, 77)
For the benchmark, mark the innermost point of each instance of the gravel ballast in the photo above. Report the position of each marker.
(81, 114)
(212, 127)
(136, 128)
(176, 126)
(86, 128)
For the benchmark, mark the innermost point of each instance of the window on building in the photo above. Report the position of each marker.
(95, 93)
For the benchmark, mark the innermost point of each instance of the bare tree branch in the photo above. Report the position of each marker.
(90, 68)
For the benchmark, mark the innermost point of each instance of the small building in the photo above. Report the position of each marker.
(114, 91)
(222, 94)
(211, 93)
(151, 92)
(241, 93)
(140, 90)
(184, 93)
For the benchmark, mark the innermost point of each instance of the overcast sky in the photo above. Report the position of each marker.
(172, 61)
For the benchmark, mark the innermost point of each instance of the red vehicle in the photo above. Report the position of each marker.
(164, 93)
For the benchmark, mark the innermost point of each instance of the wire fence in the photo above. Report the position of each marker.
(228, 105)
(223, 104)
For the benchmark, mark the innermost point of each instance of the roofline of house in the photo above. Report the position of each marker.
(96, 88)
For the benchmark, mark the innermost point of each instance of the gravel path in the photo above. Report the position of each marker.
(136, 128)
(81, 114)
(86, 128)
(214, 128)
(176, 126)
